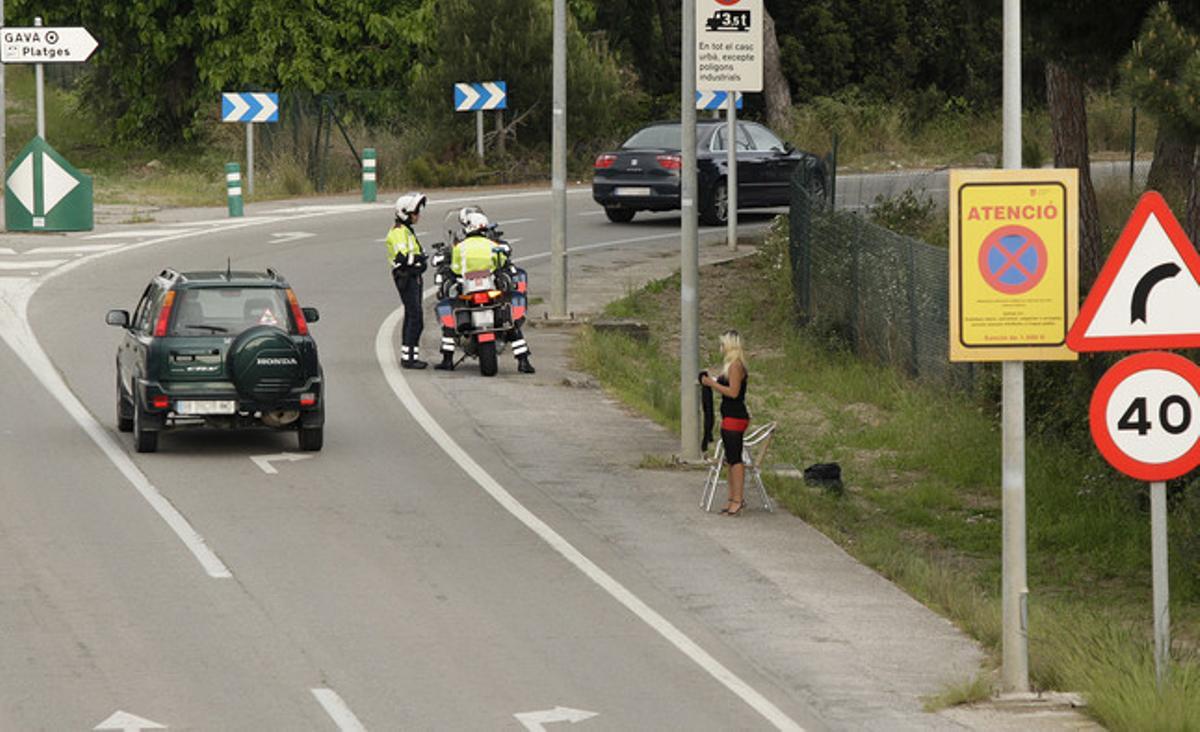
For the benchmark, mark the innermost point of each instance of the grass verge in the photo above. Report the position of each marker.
(922, 499)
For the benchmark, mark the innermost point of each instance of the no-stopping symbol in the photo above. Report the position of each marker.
(1145, 416)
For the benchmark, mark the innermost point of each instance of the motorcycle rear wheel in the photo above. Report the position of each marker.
(487, 357)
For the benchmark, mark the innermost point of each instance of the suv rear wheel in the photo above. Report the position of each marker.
(312, 439)
(124, 408)
(144, 440)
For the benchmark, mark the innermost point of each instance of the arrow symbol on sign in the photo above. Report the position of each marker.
(537, 721)
(233, 107)
(1141, 293)
(126, 722)
(269, 107)
(264, 461)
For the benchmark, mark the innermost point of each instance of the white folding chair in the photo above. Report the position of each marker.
(757, 441)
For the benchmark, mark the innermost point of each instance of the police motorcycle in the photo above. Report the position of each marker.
(482, 307)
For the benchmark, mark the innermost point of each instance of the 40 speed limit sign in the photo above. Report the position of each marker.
(1145, 416)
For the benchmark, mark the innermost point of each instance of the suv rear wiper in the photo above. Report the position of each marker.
(213, 328)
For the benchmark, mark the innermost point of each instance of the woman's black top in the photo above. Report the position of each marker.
(734, 406)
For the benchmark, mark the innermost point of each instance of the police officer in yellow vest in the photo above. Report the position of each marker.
(474, 253)
(408, 264)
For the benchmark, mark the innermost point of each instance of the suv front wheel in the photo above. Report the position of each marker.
(144, 440)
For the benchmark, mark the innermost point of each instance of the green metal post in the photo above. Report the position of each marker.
(233, 188)
(368, 172)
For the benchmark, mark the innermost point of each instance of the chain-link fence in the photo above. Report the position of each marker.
(883, 294)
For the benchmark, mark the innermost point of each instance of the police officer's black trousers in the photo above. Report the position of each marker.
(409, 287)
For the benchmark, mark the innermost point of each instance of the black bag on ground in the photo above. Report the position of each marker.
(825, 475)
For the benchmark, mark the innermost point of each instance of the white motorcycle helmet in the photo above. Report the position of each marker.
(473, 222)
(409, 204)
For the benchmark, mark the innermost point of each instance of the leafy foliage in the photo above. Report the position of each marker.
(1163, 71)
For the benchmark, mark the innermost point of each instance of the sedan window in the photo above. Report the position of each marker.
(229, 310)
(764, 139)
(661, 136)
(743, 141)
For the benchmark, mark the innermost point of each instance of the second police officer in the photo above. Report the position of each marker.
(408, 264)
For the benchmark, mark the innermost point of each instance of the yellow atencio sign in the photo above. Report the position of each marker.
(1014, 264)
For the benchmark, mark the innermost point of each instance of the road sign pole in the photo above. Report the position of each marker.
(1015, 600)
(249, 159)
(1158, 559)
(3, 127)
(479, 134)
(558, 176)
(689, 259)
(40, 87)
(732, 186)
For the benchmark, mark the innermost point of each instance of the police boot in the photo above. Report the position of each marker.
(447, 363)
(524, 366)
(413, 363)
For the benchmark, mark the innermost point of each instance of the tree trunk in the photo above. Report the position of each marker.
(1068, 121)
(775, 84)
(1191, 223)
(1171, 169)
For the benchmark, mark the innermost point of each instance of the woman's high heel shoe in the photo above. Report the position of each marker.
(734, 508)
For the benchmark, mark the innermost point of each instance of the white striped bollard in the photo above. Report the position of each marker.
(233, 188)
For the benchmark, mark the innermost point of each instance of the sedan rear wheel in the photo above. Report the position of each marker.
(619, 215)
(716, 209)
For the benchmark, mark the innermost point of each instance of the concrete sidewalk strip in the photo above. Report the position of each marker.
(833, 632)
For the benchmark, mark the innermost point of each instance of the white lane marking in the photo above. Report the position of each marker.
(511, 222)
(134, 234)
(75, 249)
(31, 264)
(5, 251)
(385, 353)
(16, 332)
(593, 213)
(126, 722)
(264, 461)
(283, 237)
(338, 711)
(517, 240)
(537, 721)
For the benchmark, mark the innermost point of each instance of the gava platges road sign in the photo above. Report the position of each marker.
(249, 107)
(42, 45)
(44, 192)
(480, 97)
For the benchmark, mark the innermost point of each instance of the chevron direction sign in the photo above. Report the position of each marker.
(716, 100)
(249, 107)
(43, 192)
(480, 97)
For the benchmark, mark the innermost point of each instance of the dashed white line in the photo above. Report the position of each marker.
(31, 264)
(338, 711)
(76, 249)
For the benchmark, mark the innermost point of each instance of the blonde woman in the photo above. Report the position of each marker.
(734, 416)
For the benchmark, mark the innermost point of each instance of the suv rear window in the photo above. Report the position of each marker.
(229, 310)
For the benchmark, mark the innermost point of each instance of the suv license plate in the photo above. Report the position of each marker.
(205, 407)
(633, 191)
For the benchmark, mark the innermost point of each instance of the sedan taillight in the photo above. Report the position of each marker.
(606, 161)
(670, 162)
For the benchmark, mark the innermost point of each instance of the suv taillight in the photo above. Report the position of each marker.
(297, 313)
(670, 162)
(606, 161)
(164, 314)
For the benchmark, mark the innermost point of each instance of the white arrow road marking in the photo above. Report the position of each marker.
(264, 461)
(537, 721)
(283, 237)
(338, 711)
(21, 183)
(5, 251)
(57, 183)
(76, 249)
(126, 722)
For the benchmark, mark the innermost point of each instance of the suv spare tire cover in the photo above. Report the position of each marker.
(265, 364)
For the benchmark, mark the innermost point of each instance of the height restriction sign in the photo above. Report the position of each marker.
(1014, 242)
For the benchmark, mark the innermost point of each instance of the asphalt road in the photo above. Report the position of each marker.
(380, 584)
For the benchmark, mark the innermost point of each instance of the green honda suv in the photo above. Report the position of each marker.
(218, 349)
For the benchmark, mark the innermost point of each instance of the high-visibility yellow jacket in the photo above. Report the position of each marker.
(473, 254)
(402, 241)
